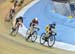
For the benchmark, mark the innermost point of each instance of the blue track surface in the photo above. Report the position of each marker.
(43, 11)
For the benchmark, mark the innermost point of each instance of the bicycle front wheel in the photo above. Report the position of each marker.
(51, 41)
(34, 36)
(27, 34)
(42, 38)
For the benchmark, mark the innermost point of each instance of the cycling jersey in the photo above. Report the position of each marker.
(34, 22)
(48, 29)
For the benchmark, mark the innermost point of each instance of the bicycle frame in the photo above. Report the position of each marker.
(32, 33)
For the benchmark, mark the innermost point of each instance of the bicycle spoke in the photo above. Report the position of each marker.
(42, 38)
(34, 36)
(51, 41)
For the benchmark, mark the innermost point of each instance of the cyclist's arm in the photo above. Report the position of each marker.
(21, 24)
(30, 24)
(54, 32)
(36, 27)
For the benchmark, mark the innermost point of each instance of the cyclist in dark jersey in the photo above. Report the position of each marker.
(19, 22)
(50, 28)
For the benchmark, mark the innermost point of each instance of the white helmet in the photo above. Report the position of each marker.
(36, 19)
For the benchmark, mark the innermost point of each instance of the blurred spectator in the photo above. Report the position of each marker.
(72, 7)
(12, 0)
(20, 2)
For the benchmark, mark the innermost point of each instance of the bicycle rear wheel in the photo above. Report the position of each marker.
(34, 36)
(14, 33)
(27, 34)
(42, 40)
(51, 41)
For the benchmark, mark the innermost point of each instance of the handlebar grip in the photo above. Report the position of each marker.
(38, 29)
(54, 34)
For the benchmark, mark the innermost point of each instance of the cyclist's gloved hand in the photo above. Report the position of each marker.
(55, 33)
(38, 29)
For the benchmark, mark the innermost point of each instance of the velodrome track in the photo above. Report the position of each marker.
(17, 45)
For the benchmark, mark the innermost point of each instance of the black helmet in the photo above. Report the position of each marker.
(21, 18)
(53, 25)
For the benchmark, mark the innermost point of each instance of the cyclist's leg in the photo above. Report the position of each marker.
(30, 34)
(28, 37)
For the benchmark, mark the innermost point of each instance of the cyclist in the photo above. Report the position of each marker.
(49, 30)
(12, 12)
(33, 25)
(17, 24)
